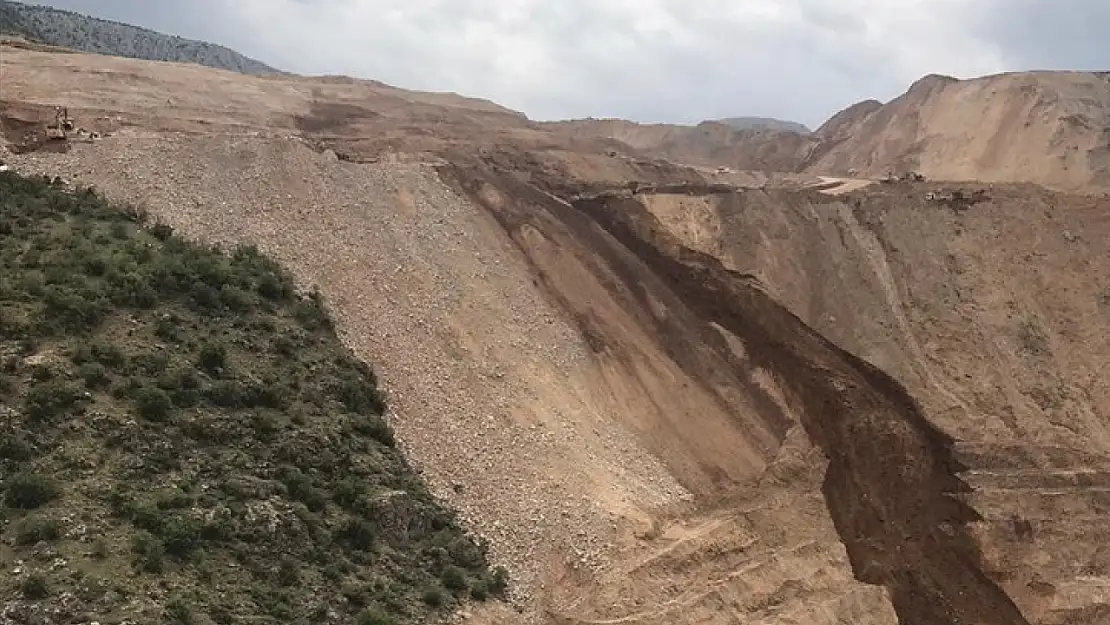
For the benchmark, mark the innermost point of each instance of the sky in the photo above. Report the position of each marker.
(672, 61)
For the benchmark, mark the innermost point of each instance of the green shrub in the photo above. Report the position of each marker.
(35, 587)
(359, 534)
(311, 313)
(434, 597)
(180, 535)
(161, 231)
(266, 426)
(284, 346)
(265, 394)
(358, 395)
(100, 548)
(498, 581)
(375, 616)
(120, 231)
(212, 358)
(177, 612)
(168, 328)
(16, 447)
(149, 552)
(28, 491)
(289, 573)
(109, 355)
(297, 482)
(221, 615)
(454, 578)
(347, 492)
(51, 400)
(34, 529)
(66, 310)
(95, 376)
(273, 287)
(151, 363)
(226, 394)
(236, 299)
(153, 404)
(479, 590)
(374, 427)
(41, 372)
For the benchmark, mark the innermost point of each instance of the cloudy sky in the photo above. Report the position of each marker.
(676, 61)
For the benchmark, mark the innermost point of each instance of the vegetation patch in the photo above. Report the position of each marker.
(184, 439)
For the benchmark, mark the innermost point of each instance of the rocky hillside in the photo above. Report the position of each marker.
(185, 439)
(765, 123)
(709, 144)
(661, 400)
(1047, 127)
(89, 34)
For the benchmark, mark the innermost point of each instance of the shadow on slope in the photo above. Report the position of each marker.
(891, 485)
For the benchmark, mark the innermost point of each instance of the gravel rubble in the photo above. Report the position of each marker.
(481, 372)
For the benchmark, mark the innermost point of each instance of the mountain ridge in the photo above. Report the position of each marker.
(764, 123)
(70, 29)
(1047, 127)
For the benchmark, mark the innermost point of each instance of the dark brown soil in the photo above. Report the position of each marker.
(892, 484)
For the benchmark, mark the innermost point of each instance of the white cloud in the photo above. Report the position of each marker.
(675, 60)
(649, 60)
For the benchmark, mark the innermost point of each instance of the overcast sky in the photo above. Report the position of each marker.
(676, 61)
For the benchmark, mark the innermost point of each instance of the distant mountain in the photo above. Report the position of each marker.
(765, 123)
(709, 144)
(89, 34)
(1049, 127)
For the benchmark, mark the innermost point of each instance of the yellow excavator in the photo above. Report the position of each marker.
(62, 125)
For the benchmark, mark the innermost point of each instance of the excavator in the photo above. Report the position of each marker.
(62, 125)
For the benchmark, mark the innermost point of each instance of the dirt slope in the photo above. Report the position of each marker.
(1047, 127)
(644, 436)
(1052, 128)
(708, 144)
(996, 325)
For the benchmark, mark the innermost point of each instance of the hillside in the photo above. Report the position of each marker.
(660, 399)
(1046, 127)
(185, 438)
(764, 123)
(89, 34)
(1052, 128)
(709, 144)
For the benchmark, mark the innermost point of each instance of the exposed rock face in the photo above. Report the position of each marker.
(988, 321)
(664, 400)
(1051, 128)
(1046, 127)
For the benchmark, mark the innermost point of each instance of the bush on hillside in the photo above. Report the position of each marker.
(209, 428)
